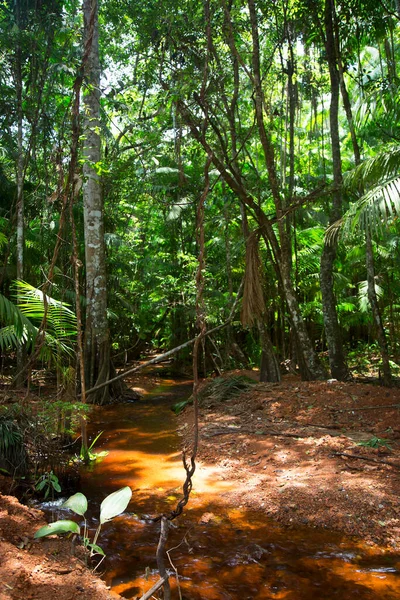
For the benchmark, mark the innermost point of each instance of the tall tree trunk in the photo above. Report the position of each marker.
(269, 366)
(373, 300)
(376, 313)
(20, 209)
(229, 336)
(337, 361)
(309, 364)
(97, 345)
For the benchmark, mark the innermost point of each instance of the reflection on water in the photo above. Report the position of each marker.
(219, 553)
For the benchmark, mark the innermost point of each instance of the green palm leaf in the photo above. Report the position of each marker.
(61, 320)
(363, 300)
(375, 208)
(380, 176)
(20, 327)
(9, 313)
(382, 166)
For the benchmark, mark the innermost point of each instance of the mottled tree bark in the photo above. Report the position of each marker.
(337, 361)
(97, 345)
(376, 313)
(230, 171)
(20, 209)
(309, 364)
(269, 366)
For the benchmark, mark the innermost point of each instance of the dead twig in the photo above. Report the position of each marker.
(366, 407)
(184, 541)
(264, 432)
(366, 458)
(153, 589)
(160, 557)
(225, 431)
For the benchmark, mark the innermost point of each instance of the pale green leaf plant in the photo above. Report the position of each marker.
(113, 505)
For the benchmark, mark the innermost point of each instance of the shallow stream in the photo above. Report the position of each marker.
(220, 553)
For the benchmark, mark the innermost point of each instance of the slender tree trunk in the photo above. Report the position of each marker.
(309, 364)
(292, 99)
(269, 366)
(20, 189)
(21, 355)
(343, 88)
(376, 313)
(97, 345)
(80, 354)
(228, 256)
(337, 361)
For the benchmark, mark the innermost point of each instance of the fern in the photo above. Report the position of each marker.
(18, 329)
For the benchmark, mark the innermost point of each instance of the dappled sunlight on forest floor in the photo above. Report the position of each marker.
(268, 456)
(316, 453)
(295, 496)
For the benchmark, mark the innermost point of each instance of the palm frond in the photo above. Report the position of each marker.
(19, 322)
(375, 208)
(384, 165)
(333, 232)
(346, 307)
(57, 344)
(61, 320)
(9, 313)
(363, 295)
(10, 338)
(18, 329)
(341, 279)
(3, 240)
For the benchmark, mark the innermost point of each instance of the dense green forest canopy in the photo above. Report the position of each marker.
(117, 119)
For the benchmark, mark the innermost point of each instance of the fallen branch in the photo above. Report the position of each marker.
(160, 557)
(303, 434)
(153, 589)
(367, 407)
(369, 459)
(272, 433)
(284, 434)
(162, 357)
(225, 432)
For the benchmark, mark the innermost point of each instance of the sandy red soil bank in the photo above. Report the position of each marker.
(293, 450)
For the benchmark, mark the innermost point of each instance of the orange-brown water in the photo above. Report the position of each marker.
(220, 553)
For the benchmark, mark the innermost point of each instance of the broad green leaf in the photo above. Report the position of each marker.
(77, 503)
(57, 528)
(95, 549)
(115, 504)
